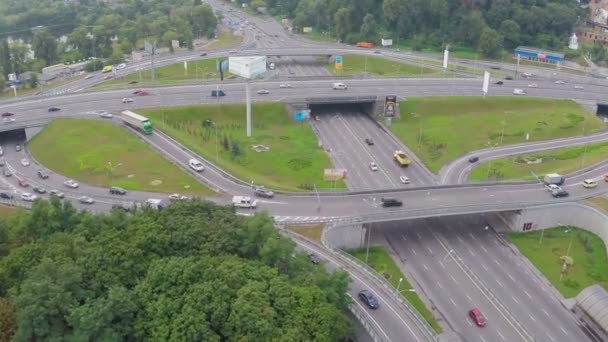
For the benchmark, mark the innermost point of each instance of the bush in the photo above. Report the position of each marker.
(93, 65)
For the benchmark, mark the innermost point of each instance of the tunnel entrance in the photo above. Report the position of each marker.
(602, 110)
(345, 105)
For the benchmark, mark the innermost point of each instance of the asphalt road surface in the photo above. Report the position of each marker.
(456, 262)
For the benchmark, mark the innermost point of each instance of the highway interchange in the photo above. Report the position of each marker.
(426, 196)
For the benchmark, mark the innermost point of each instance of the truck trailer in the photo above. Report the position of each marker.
(137, 121)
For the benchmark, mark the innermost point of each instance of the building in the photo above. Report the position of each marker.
(540, 55)
(596, 28)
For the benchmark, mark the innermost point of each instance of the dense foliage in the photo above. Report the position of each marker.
(192, 272)
(97, 28)
(483, 24)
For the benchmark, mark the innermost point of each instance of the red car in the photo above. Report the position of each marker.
(143, 93)
(605, 178)
(7, 114)
(137, 92)
(477, 317)
(23, 183)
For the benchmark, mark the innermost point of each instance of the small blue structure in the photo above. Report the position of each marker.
(539, 55)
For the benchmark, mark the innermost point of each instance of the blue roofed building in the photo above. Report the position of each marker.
(540, 55)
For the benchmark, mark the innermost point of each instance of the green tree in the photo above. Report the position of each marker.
(490, 42)
(19, 56)
(236, 148)
(369, 28)
(511, 32)
(45, 46)
(34, 81)
(8, 322)
(225, 143)
(5, 58)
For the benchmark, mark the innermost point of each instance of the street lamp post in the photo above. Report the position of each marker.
(399, 285)
(369, 235)
(570, 243)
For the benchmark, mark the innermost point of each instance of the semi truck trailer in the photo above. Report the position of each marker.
(137, 121)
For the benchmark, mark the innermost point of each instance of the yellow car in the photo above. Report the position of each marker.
(589, 183)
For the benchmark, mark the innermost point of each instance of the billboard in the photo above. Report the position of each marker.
(389, 106)
(221, 65)
(334, 174)
(387, 42)
(247, 67)
(339, 64)
(486, 82)
(301, 115)
(307, 29)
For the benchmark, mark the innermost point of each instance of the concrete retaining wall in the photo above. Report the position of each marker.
(346, 237)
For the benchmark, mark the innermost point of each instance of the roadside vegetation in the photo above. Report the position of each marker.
(100, 153)
(382, 263)
(225, 40)
(294, 161)
(310, 231)
(563, 161)
(599, 202)
(588, 255)
(378, 66)
(440, 129)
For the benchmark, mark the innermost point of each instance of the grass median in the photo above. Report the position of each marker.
(441, 129)
(101, 153)
(294, 161)
(588, 255)
(379, 66)
(599, 202)
(382, 263)
(563, 161)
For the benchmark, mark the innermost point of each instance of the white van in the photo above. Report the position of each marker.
(244, 202)
(196, 165)
(519, 92)
(340, 86)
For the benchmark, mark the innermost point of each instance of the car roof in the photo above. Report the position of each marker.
(475, 311)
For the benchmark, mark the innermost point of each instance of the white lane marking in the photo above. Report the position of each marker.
(418, 235)
(484, 249)
(439, 284)
(510, 277)
(454, 279)
(469, 298)
(469, 321)
(481, 337)
(514, 299)
(532, 318)
(403, 237)
(429, 249)
(451, 300)
(414, 251)
(501, 336)
(471, 252)
(370, 317)
(496, 262)
(551, 337)
(527, 294)
(499, 283)
(472, 236)
(426, 268)
(460, 239)
(545, 312)
(484, 267)
(562, 329)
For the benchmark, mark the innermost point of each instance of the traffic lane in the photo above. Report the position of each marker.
(437, 276)
(540, 305)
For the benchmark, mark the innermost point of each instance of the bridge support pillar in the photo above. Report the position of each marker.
(345, 237)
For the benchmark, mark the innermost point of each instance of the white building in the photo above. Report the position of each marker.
(247, 67)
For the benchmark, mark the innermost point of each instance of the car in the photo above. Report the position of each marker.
(284, 85)
(260, 191)
(25, 162)
(499, 83)
(6, 195)
(8, 120)
(134, 82)
(196, 165)
(7, 114)
(137, 91)
(391, 202)
(2, 161)
(517, 91)
(314, 257)
(89, 77)
(218, 92)
(559, 82)
(509, 78)
(121, 66)
(526, 74)
(606, 178)
(17, 147)
(127, 100)
(291, 72)
(369, 299)
(473, 159)
(54, 109)
(494, 67)
(373, 166)
(23, 183)
(477, 317)
(26, 196)
(86, 200)
(578, 86)
(369, 141)
(232, 52)
(559, 193)
(589, 183)
(56, 193)
(377, 52)
(43, 174)
(339, 86)
(177, 197)
(143, 93)
(71, 184)
(106, 115)
(1, 151)
(115, 190)
(203, 54)
(532, 85)
(317, 118)
(404, 180)
(263, 92)
(7, 172)
(39, 189)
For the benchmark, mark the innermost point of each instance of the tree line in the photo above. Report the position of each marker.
(194, 271)
(485, 25)
(95, 29)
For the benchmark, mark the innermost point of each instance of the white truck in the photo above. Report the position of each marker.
(554, 178)
(244, 202)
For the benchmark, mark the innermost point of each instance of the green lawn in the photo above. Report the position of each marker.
(382, 262)
(294, 163)
(440, 129)
(202, 69)
(588, 253)
(563, 161)
(311, 231)
(224, 41)
(81, 149)
(356, 64)
(9, 212)
(600, 202)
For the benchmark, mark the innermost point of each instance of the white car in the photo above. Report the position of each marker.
(404, 180)
(177, 197)
(339, 86)
(526, 74)
(25, 162)
(106, 115)
(127, 100)
(578, 86)
(533, 85)
(263, 92)
(71, 184)
(196, 165)
(26, 196)
(284, 85)
(519, 92)
(1, 151)
(373, 166)
(89, 77)
(589, 183)
(560, 82)
(86, 200)
(121, 66)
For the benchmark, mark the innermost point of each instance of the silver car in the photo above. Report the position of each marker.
(86, 200)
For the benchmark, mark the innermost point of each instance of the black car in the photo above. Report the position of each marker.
(117, 191)
(500, 83)
(508, 78)
(203, 54)
(133, 82)
(391, 202)
(56, 193)
(368, 298)
(54, 109)
(473, 159)
(7, 114)
(314, 257)
(39, 189)
(6, 195)
(263, 192)
(369, 141)
(43, 174)
(495, 67)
